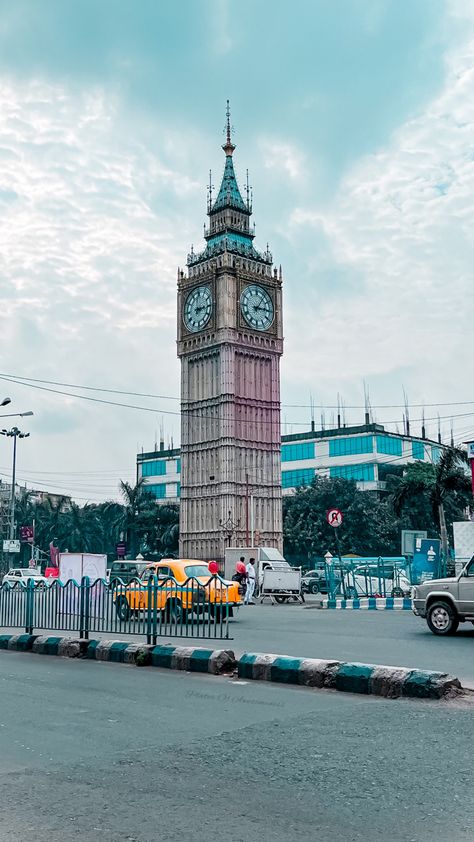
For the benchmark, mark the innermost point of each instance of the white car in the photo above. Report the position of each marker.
(22, 574)
(367, 580)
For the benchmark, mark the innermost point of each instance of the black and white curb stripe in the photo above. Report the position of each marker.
(367, 603)
(369, 679)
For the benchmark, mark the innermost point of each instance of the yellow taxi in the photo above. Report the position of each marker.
(183, 586)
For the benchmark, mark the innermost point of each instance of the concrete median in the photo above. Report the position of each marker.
(369, 679)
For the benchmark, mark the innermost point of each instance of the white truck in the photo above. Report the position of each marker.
(274, 576)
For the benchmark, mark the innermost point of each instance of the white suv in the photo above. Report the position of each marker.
(22, 574)
(445, 603)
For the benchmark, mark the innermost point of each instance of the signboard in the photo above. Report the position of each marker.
(27, 534)
(426, 560)
(11, 546)
(121, 549)
(409, 539)
(463, 543)
(334, 517)
(470, 450)
(75, 566)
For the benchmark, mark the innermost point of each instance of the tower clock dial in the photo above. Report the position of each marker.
(257, 307)
(198, 308)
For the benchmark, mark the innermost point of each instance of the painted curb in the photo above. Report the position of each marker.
(369, 679)
(368, 603)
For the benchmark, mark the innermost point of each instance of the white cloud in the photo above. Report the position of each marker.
(400, 233)
(220, 24)
(280, 156)
(89, 244)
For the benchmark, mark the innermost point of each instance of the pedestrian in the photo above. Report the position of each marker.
(240, 574)
(250, 582)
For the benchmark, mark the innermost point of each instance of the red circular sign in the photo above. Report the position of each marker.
(334, 517)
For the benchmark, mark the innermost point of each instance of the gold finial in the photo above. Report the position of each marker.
(228, 146)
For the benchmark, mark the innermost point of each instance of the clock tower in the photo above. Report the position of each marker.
(230, 341)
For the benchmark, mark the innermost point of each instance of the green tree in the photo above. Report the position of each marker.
(141, 515)
(435, 494)
(369, 526)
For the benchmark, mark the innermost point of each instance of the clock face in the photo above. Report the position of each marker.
(198, 308)
(257, 307)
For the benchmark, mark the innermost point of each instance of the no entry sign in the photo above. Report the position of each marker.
(334, 517)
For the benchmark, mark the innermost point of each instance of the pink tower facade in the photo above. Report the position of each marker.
(230, 340)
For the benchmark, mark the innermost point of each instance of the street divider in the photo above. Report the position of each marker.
(366, 603)
(369, 679)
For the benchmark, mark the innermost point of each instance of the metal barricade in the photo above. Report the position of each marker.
(156, 608)
(379, 578)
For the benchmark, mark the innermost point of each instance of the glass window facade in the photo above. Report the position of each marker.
(154, 468)
(417, 450)
(390, 445)
(293, 479)
(351, 446)
(157, 467)
(435, 454)
(158, 490)
(360, 473)
(295, 452)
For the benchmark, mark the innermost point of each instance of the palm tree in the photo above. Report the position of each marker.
(438, 483)
(137, 502)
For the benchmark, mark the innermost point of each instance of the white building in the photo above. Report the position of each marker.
(364, 453)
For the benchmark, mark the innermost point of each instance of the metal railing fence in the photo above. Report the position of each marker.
(155, 608)
(353, 580)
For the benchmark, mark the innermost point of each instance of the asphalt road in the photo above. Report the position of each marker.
(95, 751)
(397, 638)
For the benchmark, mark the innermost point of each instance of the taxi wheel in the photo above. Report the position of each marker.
(222, 612)
(123, 608)
(175, 611)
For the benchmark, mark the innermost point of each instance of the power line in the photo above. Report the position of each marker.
(201, 413)
(30, 380)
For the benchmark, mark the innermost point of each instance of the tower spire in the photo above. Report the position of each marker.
(228, 146)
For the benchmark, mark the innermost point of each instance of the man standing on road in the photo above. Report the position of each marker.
(250, 582)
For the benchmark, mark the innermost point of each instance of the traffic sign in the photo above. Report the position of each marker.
(11, 546)
(334, 517)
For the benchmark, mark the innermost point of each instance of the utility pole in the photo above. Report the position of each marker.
(15, 434)
(247, 510)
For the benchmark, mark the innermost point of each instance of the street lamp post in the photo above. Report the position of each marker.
(14, 433)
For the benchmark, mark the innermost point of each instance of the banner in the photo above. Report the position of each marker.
(54, 554)
(27, 534)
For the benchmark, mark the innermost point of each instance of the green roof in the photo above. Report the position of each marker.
(229, 193)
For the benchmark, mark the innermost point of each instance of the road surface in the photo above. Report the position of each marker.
(397, 638)
(103, 751)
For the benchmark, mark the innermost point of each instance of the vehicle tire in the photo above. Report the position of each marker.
(351, 593)
(281, 599)
(442, 619)
(221, 612)
(123, 608)
(396, 592)
(314, 587)
(174, 611)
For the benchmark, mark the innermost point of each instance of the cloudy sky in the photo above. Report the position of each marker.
(356, 121)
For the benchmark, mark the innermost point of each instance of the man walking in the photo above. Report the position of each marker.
(250, 582)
